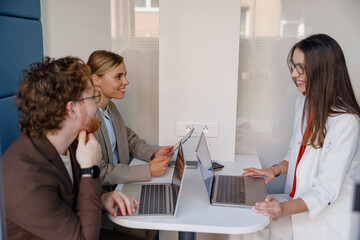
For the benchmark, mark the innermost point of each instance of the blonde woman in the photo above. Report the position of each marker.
(119, 143)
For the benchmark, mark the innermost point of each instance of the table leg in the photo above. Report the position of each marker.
(187, 236)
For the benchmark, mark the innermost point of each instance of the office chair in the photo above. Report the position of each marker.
(2, 203)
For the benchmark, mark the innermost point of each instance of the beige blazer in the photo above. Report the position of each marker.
(128, 145)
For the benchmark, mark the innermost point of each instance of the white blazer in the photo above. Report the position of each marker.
(323, 179)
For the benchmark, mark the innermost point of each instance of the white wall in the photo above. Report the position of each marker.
(199, 45)
(75, 28)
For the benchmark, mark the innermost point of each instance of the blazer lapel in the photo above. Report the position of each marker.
(48, 150)
(75, 165)
(105, 136)
(120, 134)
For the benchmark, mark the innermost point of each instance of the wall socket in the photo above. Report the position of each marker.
(210, 129)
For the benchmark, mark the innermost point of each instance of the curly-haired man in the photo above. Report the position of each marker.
(52, 189)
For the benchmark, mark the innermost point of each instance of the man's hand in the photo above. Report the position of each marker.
(88, 153)
(164, 151)
(159, 165)
(112, 201)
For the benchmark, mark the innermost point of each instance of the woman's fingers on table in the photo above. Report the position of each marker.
(270, 208)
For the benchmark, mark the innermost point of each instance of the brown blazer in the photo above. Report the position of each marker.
(128, 145)
(40, 199)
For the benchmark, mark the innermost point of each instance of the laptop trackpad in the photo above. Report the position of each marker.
(132, 190)
(133, 194)
(255, 190)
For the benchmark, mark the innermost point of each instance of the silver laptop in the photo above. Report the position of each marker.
(226, 190)
(182, 141)
(158, 200)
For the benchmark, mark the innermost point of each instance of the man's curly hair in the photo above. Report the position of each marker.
(46, 89)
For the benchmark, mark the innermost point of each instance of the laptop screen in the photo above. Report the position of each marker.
(179, 168)
(203, 156)
(182, 141)
(178, 173)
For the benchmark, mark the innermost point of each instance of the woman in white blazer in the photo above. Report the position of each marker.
(323, 151)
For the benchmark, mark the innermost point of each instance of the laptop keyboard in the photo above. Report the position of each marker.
(153, 199)
(231, 190)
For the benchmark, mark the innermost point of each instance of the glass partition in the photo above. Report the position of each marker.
(266, 93)
(135, 36)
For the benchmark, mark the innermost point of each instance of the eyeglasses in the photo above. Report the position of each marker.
(96, 97)
(300, 68)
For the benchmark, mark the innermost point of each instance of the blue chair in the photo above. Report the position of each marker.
(20, 45)
(9, 122)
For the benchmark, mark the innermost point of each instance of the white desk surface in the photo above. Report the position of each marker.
(195, 213)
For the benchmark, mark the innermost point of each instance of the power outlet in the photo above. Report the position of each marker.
(210, 129)
(188, 128)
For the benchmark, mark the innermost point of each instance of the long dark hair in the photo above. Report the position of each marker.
(328, 87)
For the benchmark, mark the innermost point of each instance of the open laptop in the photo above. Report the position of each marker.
(226, 190)
(182, 141)
(158, 199)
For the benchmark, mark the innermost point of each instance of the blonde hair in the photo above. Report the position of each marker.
(101, 62)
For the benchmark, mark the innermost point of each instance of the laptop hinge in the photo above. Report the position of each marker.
(212, 188)
(171, 199)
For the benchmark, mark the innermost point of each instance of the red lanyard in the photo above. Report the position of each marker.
(301, 153)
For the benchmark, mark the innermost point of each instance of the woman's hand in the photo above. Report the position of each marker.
(158, 166)
(271, 208)
(164, 151)
(269, 173)
(117, 200)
